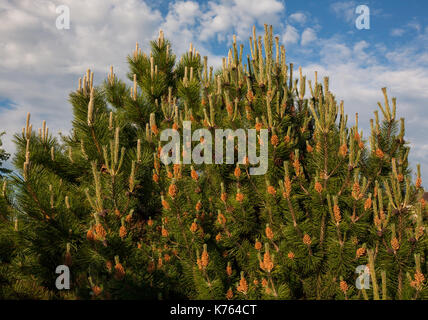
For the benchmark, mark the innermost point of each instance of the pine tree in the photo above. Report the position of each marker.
(6, 245)
(16, 281)
(129, 226)
(6, 242)
(4, 156)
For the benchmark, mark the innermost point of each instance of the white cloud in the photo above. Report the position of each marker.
(95, 26)
(415, 25)
(179, 23)
(238, 16)
(397, 32)
(308, 36)
(41, 64)
(298, 17)
(344, 10)
(291, 35)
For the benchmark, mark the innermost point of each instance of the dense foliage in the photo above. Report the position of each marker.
(3, 157)
(102, 202)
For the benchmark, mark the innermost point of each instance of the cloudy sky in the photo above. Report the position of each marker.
(40, 64)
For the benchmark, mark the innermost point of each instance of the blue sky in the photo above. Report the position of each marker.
(40, 65)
